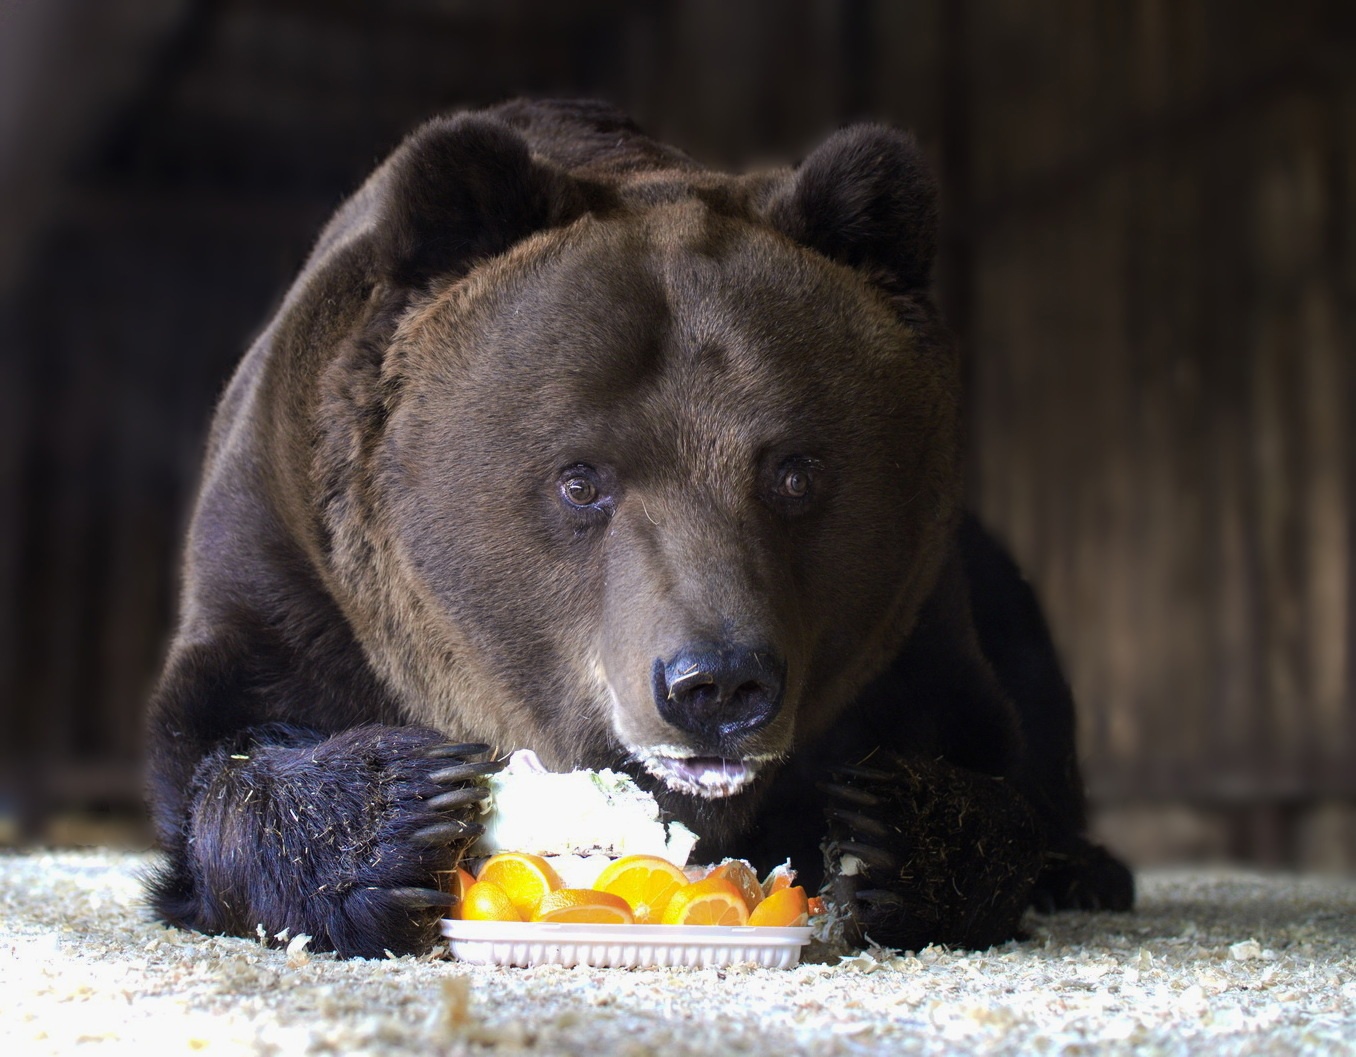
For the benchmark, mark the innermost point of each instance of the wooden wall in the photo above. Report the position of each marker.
(1162, 338)
(1148, 251)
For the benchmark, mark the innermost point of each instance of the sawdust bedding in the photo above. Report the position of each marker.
(1221, 962)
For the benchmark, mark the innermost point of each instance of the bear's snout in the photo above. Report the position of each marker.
(719, 692)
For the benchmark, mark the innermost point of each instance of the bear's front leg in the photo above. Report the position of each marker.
(922, 851)
(339, 837)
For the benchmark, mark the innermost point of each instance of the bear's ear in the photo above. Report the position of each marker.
(462, 189)
(865, 198)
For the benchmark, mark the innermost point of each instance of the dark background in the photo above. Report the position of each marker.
(1149, 251)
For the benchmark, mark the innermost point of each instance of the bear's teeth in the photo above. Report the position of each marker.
(705, 776)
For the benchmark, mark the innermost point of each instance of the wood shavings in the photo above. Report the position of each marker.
(296, 953)
(456, 1004)
(1268, 966)
(1250, 951)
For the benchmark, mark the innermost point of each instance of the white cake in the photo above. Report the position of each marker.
(579, 820)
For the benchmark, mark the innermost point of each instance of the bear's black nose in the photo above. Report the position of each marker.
(719, 692)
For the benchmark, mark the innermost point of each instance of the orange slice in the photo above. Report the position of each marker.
(711, 901)
(526, 878)
(584, 906)
(782, 908)
(486, 901)
(455, 882)
(816, 906)
(780, 877)
(646, 882)
(462, 879)
(741, 875)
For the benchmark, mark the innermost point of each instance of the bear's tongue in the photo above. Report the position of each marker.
(707, 776)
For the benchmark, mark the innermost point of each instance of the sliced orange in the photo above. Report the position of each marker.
(646, 882)
(780, 877)
(584, 906)
(710, 901)
(455, 882)
(486, 901)
(741, 875)
(525, 877)
(816, 906)
(782, 908)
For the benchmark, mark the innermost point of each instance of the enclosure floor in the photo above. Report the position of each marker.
(1211, 963)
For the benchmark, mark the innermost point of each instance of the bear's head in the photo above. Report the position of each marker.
(651, 468)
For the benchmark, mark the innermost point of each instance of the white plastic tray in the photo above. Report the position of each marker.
(623, 946)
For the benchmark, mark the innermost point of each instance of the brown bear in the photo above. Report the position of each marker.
(563, 441)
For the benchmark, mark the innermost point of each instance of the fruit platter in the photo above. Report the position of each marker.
(570, 899)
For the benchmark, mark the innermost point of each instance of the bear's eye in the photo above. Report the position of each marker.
(795, 483)
(584, 490)
(579, 490)
(793, 486)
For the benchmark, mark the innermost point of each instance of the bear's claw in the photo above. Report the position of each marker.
(456, 749)
(871, 857)
(420, 898)
(446, 832)
(463, 771)
(857, 770)
(861, 824)
(851, 794)
(463, 797)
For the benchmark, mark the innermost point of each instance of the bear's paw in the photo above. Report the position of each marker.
(345, 838)
(922, 852)
(1084, 876)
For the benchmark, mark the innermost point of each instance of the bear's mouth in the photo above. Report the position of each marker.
(711, 777)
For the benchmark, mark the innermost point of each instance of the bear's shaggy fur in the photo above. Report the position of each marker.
(563, 441)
